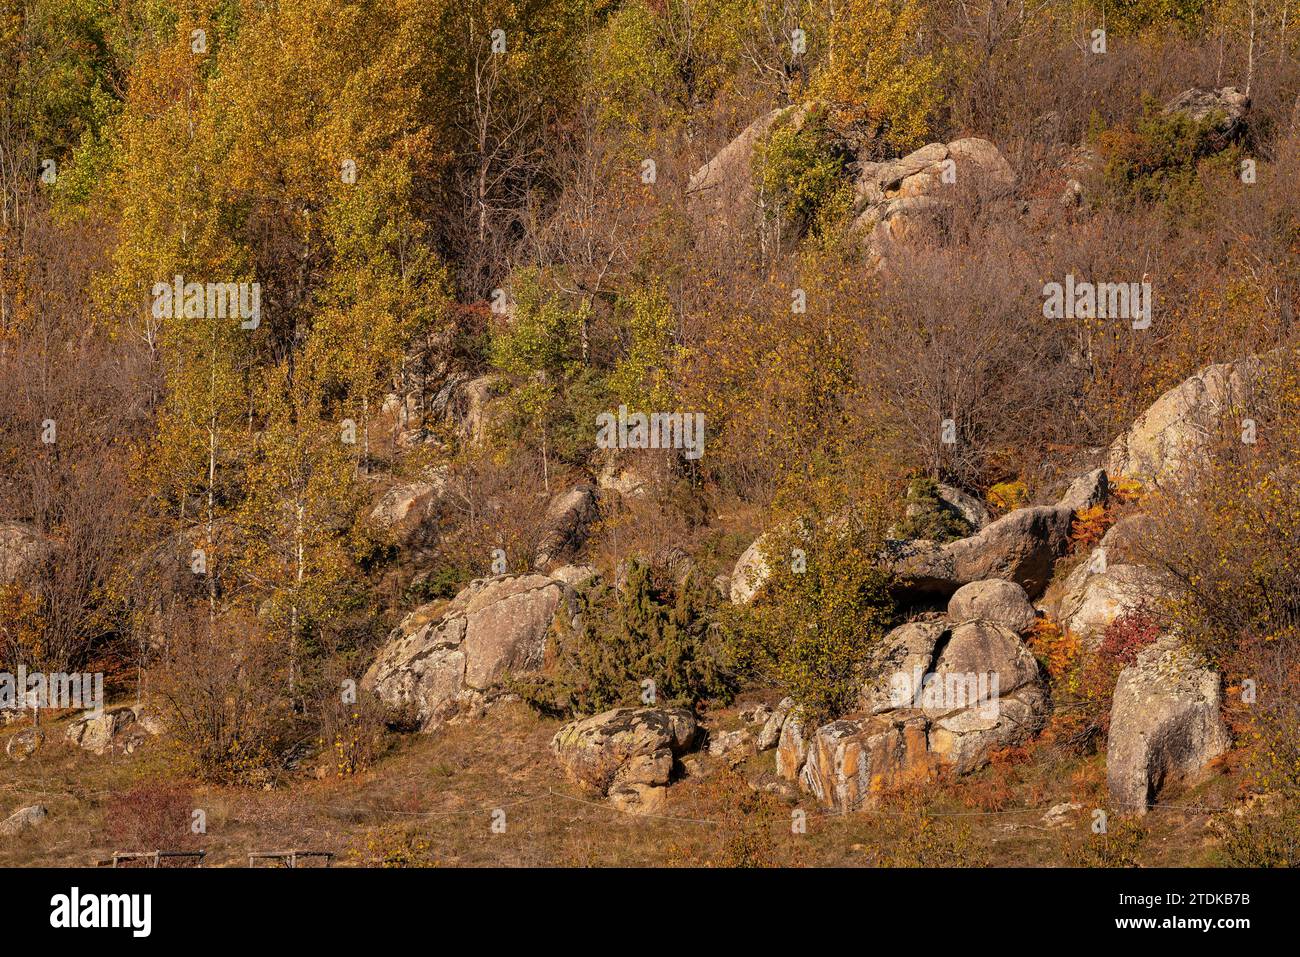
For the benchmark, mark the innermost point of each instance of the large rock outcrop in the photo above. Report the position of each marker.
(569, 519)
(723, 188)
(441, 403)
(114, 729)
(892, 198)
(1021, 547)
(1175, 436)
(750, 574)
(626, 754)
(938, 696)
(443, 654)
(1165, 725)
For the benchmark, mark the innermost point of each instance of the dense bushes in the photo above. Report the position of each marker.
(801, 175)
(651, 629)
(929, 517)
(1083, 679)
(1159, 160)
(826, 601)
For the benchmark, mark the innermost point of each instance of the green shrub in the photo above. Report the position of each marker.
(930, 517)
(443, 580)
(825, 603)
(801, 172)
(1158, 161)
(553, 393)
(651, 628)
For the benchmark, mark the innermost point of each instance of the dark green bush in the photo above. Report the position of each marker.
(930, 517)
(651, 628)
(1158, 160)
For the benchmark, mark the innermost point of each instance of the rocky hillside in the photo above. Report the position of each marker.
(651, 433)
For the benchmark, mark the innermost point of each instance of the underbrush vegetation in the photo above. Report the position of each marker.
(649, 639)
(467, 251)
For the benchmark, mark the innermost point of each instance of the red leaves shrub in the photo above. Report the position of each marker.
(152, 817)
(1126, 636)
(1081, 720)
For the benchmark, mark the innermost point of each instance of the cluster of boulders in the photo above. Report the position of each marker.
(939, 694)
(1021, 546)
(121, 729)
(1165, 724)
(440, 404)
(404, 509)
(892, 199)
(911, 723)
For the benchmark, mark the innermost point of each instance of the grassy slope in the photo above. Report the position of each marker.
(429, 801)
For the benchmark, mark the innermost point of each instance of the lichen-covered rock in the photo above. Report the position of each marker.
(404, 506)
(791, 748)
(1171, 440)
(1003, 602)
(114, 729)
(626, 753)
(1087, 491)
(1165, 724)
(1097, 593)
(23, 819)
(444, 652)
(936, 696)
(1127, 541)
(852, 761)
(730, 743)
(568, 522)
(965, 740)
(23, 744)
(971, 509)
(1226, 109)
(1021, 547)
(750, 574)
(906, 651)
(574, 575)
(770, 734)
